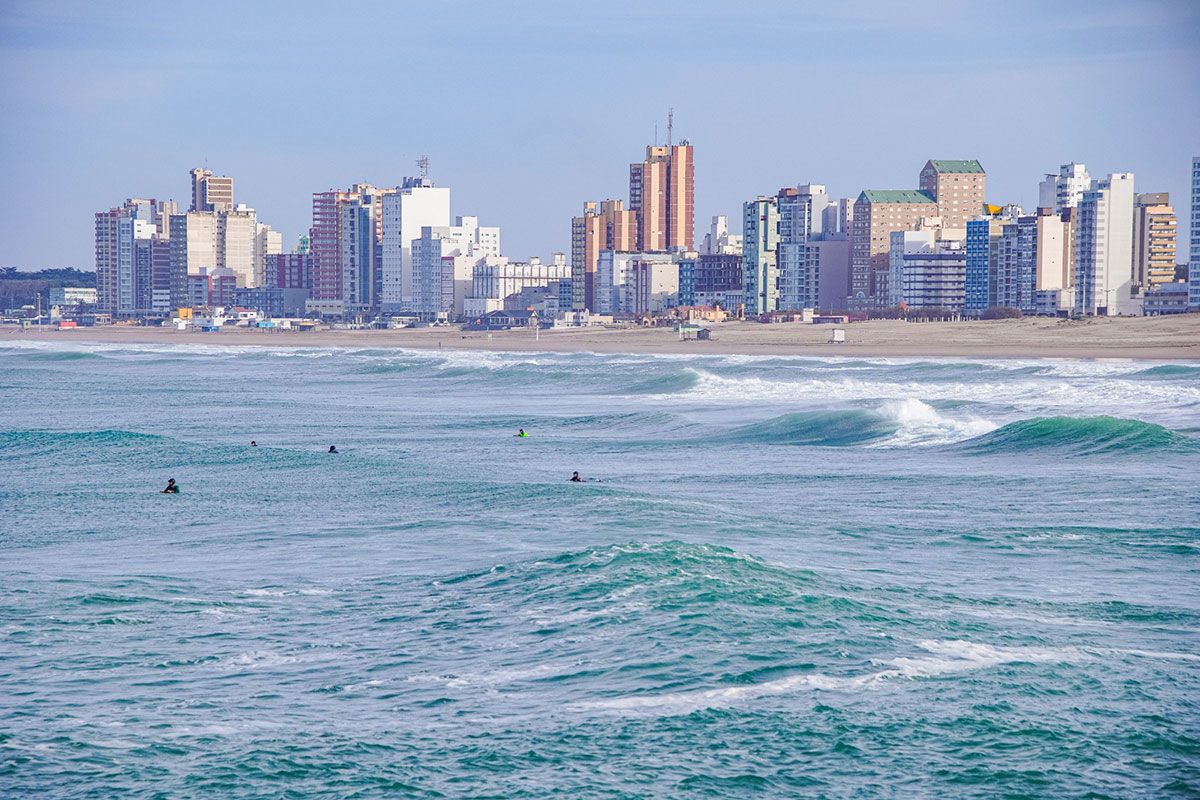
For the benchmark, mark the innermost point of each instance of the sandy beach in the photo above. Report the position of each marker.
(1170, 338)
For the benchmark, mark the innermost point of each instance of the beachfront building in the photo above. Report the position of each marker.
(652, 286)
(1194, 249)
(133, 258)
(1055, 262)
(414, 205)
(829, 259)
(1153, 239)
(604, 226)
(934, 274)
(877, 213)
(613, 275)
(1016, 265)
(801, 219)
(710, 279)
(1104, 248)
(959, 187)
(1065, 189)
(498, 284)
(360, 251)
(444, 260)
(760, 243)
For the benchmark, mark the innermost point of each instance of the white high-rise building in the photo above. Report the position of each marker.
(804, 213)
(416, 205)
(719, 241)
(1104, 248)
(1065, 189)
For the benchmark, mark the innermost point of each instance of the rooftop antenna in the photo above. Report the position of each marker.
(670, 124)
(423, 166)
(656, 134)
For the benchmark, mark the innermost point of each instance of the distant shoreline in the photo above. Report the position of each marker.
(1165, 338)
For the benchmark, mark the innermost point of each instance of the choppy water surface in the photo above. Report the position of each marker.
(796, 577)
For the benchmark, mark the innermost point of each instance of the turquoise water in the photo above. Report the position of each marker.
(794, 577)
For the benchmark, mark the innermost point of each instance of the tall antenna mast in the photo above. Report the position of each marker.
(423, 166)
(670, 124)
(656, 134)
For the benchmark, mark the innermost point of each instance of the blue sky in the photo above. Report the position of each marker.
(528, 109)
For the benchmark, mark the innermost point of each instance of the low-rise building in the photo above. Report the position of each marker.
(1166, 298)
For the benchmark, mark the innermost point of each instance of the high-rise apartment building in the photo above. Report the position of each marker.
(760, 244)
(933, 270)
(417, 204)
(1104, 248)
(878, 212)
(131, 240)
(604, 227)
(1016, 265)
(193, 248)
(237, 244)
(662, 195)
(327, 245)
(211, 192)
(801, 217)
(1153, 239)
(958, 187)
(360, 251)
(1065, 189)
(267, 242)
(981, 253)
(1194, 254)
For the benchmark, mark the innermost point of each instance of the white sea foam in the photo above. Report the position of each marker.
(283, 592)
(922, 424)
(1029, 395)
(947, 657)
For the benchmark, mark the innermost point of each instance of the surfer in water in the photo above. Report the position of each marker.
(172, 487)
(332, 449)
(521, 434)
(253, 443)
(575, 478)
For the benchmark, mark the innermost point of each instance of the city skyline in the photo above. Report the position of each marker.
(560, 150)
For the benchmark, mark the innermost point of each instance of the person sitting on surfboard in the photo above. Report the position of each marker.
(575, 478)
(521, 434)
(172, 488)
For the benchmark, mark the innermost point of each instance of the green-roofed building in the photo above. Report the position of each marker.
(877, 213)
(959, 187)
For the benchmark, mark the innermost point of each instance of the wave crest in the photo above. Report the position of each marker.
(1081, 436)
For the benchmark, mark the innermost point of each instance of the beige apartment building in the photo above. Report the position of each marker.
(877, 213)
(958, 187)
(1154, 230)
(662, 194)
(603, 226)
(1055, 251)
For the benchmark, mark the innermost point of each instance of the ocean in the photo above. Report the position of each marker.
(784, 577)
